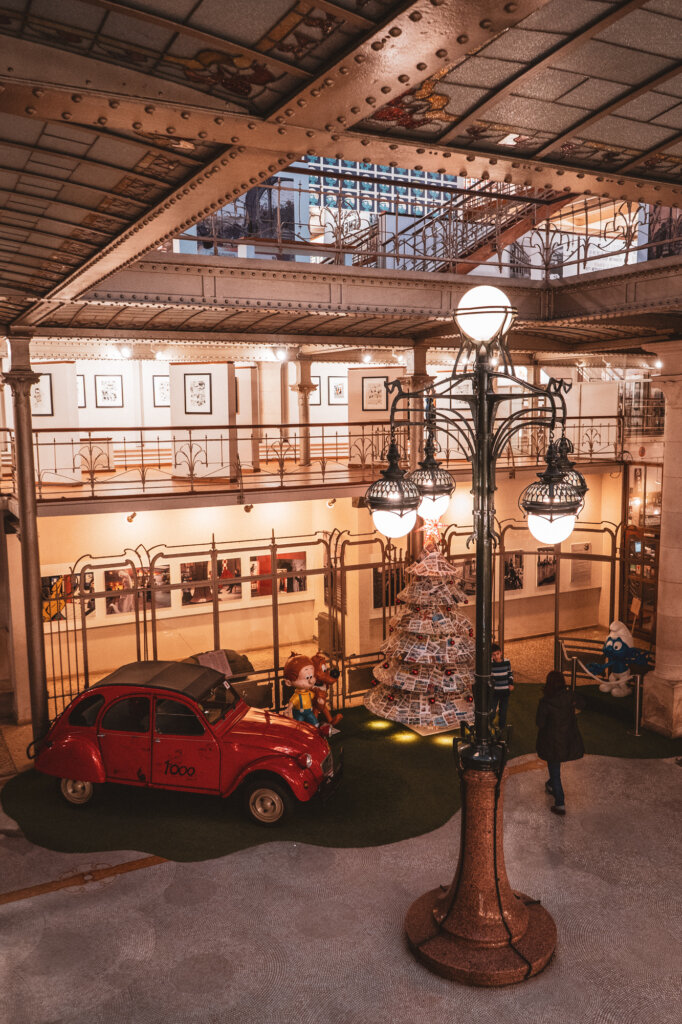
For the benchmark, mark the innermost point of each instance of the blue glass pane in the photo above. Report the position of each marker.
(418, 211)
(402, 208)
(351, 185)
(366, 204)
(331, 182)
(384, 168)
(349, 163)
(435, 195)
(348, 203)
(384, 188)
(417, 174)
(366, 186)
(417, 191)
(330, 201)
(313, 180)
(314, 198)
(401, 190)
(384, 205)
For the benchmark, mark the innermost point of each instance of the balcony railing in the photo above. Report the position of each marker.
(85, 464)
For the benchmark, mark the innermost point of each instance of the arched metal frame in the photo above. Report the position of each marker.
(482, 435)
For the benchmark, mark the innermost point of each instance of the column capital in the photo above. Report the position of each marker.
(303, 389)
(416, 381)
(671, 386)
(21, 380)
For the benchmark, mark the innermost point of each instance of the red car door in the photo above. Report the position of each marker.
(125, 741)
(185, 753)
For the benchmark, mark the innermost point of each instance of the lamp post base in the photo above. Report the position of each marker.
(479, 931)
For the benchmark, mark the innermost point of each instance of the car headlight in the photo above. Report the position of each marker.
(305, 760)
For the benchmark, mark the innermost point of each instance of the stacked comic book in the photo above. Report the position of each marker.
(426, 677)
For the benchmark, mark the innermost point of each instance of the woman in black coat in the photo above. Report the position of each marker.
(559, 738)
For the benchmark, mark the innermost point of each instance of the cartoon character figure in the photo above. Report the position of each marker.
(621, 656)
(324, 679)
(299, 671)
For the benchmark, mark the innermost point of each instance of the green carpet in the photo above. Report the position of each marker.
(396, 785)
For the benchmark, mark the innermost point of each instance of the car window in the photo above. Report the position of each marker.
(128, 715)
(173, 718)
(86, 710)
(217, 702)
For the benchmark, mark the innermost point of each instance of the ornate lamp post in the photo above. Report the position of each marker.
(480, 930)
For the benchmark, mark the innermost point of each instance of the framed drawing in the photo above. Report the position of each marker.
(59, 592)
(80, 390)
(546, 567)
(198, 394)
(513, 571)
(161, 391)
(315, 397)
(290, 570)
(374, 394)
(338, 390)
(41, 396)
(581, 569)
(109, 391)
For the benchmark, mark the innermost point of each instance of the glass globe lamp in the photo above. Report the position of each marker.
(484, 313)
(434, 483)
(393, 500)
(551, 502)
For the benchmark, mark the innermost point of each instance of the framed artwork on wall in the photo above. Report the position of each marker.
(513, 571)
(123, 584)
(109, 391)
(161, 390)
(546, 567)
(315, 397)
(59, 592)
(374, 394)
(289, 566)
(198, 394)
(41, 396)
(337, 390)
(80, 390)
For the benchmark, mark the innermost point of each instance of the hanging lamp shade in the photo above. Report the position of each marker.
(393, 500)
(551, 502)
(484, 313)
(571, 475)
(434, 483)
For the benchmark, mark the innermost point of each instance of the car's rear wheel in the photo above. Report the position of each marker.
(76, 791)
(267, 802)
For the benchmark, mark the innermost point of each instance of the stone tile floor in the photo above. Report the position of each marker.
(291, 934)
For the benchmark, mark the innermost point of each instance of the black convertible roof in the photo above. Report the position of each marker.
(180, 676)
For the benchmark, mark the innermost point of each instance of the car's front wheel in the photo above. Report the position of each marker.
(76, 791)
(267, 801)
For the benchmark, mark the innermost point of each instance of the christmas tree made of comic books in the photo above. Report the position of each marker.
(426, 680)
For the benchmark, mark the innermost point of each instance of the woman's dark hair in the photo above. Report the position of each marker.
(554, 683)
(495, 648)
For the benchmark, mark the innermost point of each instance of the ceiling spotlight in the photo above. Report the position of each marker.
(126, 352)
(658, 364)
(367, 357)
(281, 354)
(248, 508)
(160, 355)
(331, 503)
(130, 518)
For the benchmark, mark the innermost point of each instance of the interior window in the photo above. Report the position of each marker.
(173, 718)
(86, 710)
(128, 715)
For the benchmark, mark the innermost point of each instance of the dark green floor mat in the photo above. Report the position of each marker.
(396, 785)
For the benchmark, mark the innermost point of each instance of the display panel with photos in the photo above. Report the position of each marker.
(374, 394)
(387, 582)
(581, 569)
(60, 591)
(196, 576)
(513, 571)
(108, 391)
(198, 394)
(80, 390)
(161, 391)
(468, 581)
(41, 396)
(293, 562)
(120, 587)
(315, 397)
(337, 390)
(546, 568)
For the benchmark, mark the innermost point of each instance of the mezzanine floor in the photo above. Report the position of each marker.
(288, 933)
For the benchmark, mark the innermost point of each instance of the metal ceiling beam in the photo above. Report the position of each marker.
(160, 336)
(534, 69)
(653, 152)
(610, 108)
(492, 165)
(209, 39)
(39, 150)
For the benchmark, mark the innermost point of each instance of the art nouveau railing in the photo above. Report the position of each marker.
(102, 463)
